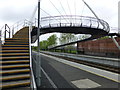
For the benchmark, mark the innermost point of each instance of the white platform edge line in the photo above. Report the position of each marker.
(110, 75)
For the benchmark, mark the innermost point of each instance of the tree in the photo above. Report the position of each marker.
(34, 48)
(44, 44)
(66, 38)
(52, 40)
(81, 37)
(63, 38)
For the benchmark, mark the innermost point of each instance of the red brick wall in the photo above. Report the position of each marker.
(100, 47)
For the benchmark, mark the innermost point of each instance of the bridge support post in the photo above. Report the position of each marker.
(38, 66)
(116, 43)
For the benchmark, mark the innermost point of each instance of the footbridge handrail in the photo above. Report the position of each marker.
(74, 20)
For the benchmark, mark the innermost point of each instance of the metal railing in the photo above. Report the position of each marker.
(55, 21)
(9, 31)
(34, 64)
(18, 25)
(74, 20)
(5, 32)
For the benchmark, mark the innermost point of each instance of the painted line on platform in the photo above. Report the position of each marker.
(49, 79)
(76, 65)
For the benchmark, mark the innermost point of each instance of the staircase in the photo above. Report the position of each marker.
(15, 61)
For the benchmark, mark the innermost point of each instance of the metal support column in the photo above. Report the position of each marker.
(94, 13)
(116, 43)
(38, 66)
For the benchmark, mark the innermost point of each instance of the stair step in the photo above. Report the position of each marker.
(14, 54)
(12, 48)
(15, 84)
(25, 34)
(14, 77)
(17, 39)
(14, 62)
(15, 48)
(13, 51)
(14, 71)
(14, 66)
(15, 58)
(14, 45)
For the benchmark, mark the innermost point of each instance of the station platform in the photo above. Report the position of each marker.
(60, 74)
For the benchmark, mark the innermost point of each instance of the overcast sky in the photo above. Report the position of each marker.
(12, 11)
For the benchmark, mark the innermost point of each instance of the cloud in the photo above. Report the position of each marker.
(15, 10)
(106, 10)
(12, 11)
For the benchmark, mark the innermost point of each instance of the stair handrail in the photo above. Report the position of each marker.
(5, 33)
(33, 82)
(7, 30)
(18, 25)
(2, 35)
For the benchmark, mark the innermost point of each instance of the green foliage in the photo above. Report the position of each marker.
(66, 38)
(44, 44)
(81, 37)
(106, 37)
(34, 48)
(52, 40)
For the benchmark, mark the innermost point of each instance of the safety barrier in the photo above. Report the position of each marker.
(74, 20)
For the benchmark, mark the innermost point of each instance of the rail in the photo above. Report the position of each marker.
(55, 21)
(74, 20)
(8, 31)
(5, 32)
(112, 62)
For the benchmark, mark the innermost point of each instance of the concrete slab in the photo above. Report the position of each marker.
(85, 83)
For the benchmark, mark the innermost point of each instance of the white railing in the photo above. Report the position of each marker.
(74, 20)
(9, 31)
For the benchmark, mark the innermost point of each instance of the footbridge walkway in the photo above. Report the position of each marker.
(73, 24)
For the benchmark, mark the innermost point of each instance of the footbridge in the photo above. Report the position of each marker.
(73, 24)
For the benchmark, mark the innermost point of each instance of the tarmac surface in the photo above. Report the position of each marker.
(63, 76)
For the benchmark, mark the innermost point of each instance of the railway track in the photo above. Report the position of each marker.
(92, 64)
